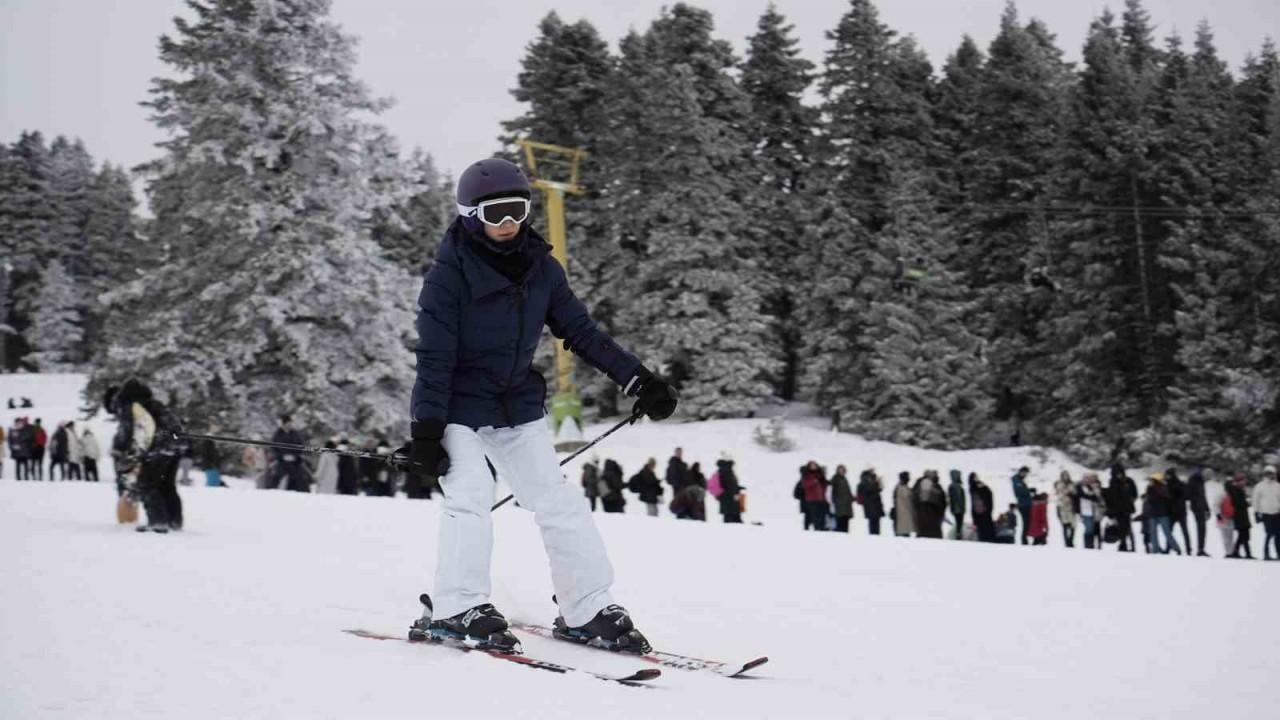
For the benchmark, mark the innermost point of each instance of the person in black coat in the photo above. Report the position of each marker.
(348, 471)
(982, 504)
(613, 500)
(869, 489)
(289, 463)
(841, 499)
(696, 477)
(58, 453)
(145, 447)
(1240, 501)
(1178, 504)
(677, 471)
(1121, 493)
(645, 484)
(729, 491)
(1199, 508)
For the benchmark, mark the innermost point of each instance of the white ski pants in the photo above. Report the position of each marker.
(525, 457)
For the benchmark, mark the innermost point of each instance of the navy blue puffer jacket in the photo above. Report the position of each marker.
(477, 333)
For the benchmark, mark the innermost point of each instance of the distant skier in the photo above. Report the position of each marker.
(146, 450)
(484, 302)
(842, 498)
(1023, 497)
(677, 471)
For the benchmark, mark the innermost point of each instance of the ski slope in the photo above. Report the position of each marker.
(240, 616)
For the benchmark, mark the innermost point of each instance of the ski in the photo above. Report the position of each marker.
(636, 679)
(665, 659)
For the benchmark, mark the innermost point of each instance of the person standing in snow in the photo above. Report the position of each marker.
(982, 509)
(811, 490)
(1240, 516)
(89, 444)
(38, 442)
(348, 471)
(3, 445)
(1199, 501)
(956, 502)
(930, 502)
(1160, 507)
(591, 481)
(146, 448)
(842, 499)
(289, 463)
(75, 452)
(696, 477)
(209, 457)
(1065, 499)
(1022, 495)
(645, 484)
(677, 471)
(327, 473)
(869, 497)
(58, 452)
(611, 485)
(1266, 502)
(904, 509)
(493, 286)
(1178, 504)
(1039, 518)
(1089, 498)
(730, 490)
(1119, 498)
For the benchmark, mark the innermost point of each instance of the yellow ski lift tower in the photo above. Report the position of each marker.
(554, 170)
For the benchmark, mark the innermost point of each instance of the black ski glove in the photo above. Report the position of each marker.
(655, 396)
(427, 456)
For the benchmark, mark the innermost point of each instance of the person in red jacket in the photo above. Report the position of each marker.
(1038, 528)
(37, 454)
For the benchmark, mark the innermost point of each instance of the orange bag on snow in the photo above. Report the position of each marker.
(126, 510)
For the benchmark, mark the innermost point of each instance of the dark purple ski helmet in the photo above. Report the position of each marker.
(491, 178)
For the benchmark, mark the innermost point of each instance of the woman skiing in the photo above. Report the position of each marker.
(484, 302)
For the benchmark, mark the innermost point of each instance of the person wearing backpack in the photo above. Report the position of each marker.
(645, 484)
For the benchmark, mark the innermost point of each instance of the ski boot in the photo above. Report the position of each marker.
(482, 627)
(610, 629)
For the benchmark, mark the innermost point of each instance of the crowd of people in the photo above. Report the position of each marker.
(690, 487)
(1097, 514)
(72, 454)
(1104, 515)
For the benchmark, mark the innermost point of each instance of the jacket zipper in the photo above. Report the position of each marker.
(515, 359)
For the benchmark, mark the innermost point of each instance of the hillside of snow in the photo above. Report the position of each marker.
(240, 615)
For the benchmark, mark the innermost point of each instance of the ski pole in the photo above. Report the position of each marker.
(635, 415)
(395, 460)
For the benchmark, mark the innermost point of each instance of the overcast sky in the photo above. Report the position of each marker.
(80, 67)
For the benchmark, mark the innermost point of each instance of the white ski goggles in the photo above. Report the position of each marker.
(497, 211)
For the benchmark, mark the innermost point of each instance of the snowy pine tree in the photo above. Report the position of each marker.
(695, 301)
(273, 297)
(567, 81)
(781, 126)
(56, 333)
(28, 220)
(410, 231)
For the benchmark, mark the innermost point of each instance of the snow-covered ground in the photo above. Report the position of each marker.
(240, 615)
